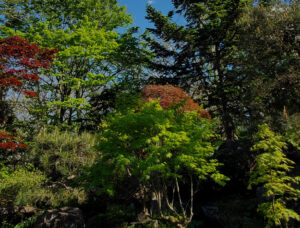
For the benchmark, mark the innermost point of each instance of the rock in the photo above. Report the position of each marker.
(28, 210)
(66, 217)
(15, 214)
(210, 211)
(5, 211)
(143, 217)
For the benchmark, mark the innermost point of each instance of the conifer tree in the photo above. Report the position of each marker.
(200, 52)
(225, 52)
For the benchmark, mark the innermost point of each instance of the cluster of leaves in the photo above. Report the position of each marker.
(9, 142)
(62, 154)
(59, 158)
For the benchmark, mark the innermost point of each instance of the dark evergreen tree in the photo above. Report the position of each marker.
(200, 52)
(225, 54)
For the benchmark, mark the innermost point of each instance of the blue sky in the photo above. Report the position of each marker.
(137, 8)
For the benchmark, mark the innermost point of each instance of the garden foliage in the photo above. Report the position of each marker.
(163, 148)
(143, 130)
(272, 172)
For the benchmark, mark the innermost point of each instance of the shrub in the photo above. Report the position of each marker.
(62, 154)
(22, 187)
(163, 148)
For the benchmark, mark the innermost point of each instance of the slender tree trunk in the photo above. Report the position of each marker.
(226, 118)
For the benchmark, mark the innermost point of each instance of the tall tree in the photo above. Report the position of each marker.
(226, 52)
(271, 62)
(88, 47)
(201, 52)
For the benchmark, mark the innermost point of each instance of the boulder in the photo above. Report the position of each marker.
(66, 217)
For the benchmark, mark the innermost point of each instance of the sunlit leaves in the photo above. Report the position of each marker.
(150, 139)
(272, 171)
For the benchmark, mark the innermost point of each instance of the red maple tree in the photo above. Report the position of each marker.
(20, 62)
(170, 95)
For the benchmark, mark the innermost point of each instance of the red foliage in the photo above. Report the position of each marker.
(9, 142)
(30, 93)
(10, 82)
(4, 135)
(170, 96)
(8, 145)
(20, 62)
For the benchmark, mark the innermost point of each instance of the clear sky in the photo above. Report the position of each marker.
(137, 8)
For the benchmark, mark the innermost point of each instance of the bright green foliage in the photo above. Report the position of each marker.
(272, 171)
(62, 14)
(28, 187)
(90, 52)
(62, 155)
(78, 69)
(156, 140)
(159, 147)
(22, 186)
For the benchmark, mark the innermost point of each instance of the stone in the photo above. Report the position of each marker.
(210, 211)
(28, 210)
(66, 217)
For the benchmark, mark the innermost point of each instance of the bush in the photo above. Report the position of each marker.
(22, 187)
(164, 149)
(63, 154)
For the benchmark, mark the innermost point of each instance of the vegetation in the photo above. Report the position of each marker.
(162, 129)
(271, 171)
(162, 149)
